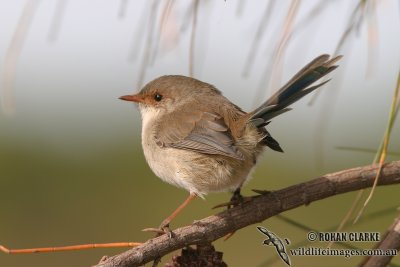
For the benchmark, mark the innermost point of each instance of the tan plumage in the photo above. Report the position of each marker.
(195, 138)
(188, 140)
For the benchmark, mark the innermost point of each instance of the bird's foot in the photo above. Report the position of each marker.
(161, 230)
(236, 200)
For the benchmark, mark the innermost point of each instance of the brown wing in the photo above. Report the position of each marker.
(197, 130)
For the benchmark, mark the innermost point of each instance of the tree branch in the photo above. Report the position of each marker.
(391, 240)
(257, 210)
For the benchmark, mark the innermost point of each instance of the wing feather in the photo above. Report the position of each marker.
(197, 130)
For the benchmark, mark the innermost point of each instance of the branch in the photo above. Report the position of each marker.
(391, 240)
(257, 210)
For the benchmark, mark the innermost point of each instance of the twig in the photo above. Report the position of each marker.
(138, 34)
(353, 25)
(305, 241)
(263, 24)
(240, 8)
(68, 248)
(12, 55)
(373, 38)
(382, 152)
(57, 20)
(346, 218)
(366, 150)
(193, 38)
(149, 42)
(391, 240)
(283, 43)
(123, 5)
(273, 70)
(257, 210)
(161, 27)
(384, 147)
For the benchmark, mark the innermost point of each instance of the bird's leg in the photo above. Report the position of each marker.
(164, 227)
(237, 197)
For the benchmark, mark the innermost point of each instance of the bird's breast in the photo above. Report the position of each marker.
(162, 161)
(197, 172)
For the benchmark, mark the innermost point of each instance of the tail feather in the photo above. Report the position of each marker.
(309, 74)
(300, 94)
(267, 116)
(270, 142)
(295, 89)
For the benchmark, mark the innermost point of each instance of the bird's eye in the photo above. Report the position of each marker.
(157, 97)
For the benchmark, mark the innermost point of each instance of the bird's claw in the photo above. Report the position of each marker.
(162, 230)
(237, 199)
(234, 202)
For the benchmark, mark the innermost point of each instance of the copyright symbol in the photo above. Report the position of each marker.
(312, 236)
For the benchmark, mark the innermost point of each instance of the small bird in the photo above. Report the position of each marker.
(195, 138)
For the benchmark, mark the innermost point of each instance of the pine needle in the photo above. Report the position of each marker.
(382, 153)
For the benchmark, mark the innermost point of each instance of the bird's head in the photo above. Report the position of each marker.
(167, 93)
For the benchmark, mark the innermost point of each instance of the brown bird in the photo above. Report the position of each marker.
(195, 138)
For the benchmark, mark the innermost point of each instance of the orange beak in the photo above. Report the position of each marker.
(133, 98)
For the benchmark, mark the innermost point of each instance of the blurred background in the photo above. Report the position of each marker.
(72, 169)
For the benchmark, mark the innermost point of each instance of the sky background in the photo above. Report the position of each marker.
(71, 166)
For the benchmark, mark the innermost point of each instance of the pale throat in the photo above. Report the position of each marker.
(149, 116)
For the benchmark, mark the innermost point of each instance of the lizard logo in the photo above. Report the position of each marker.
(274, 240)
